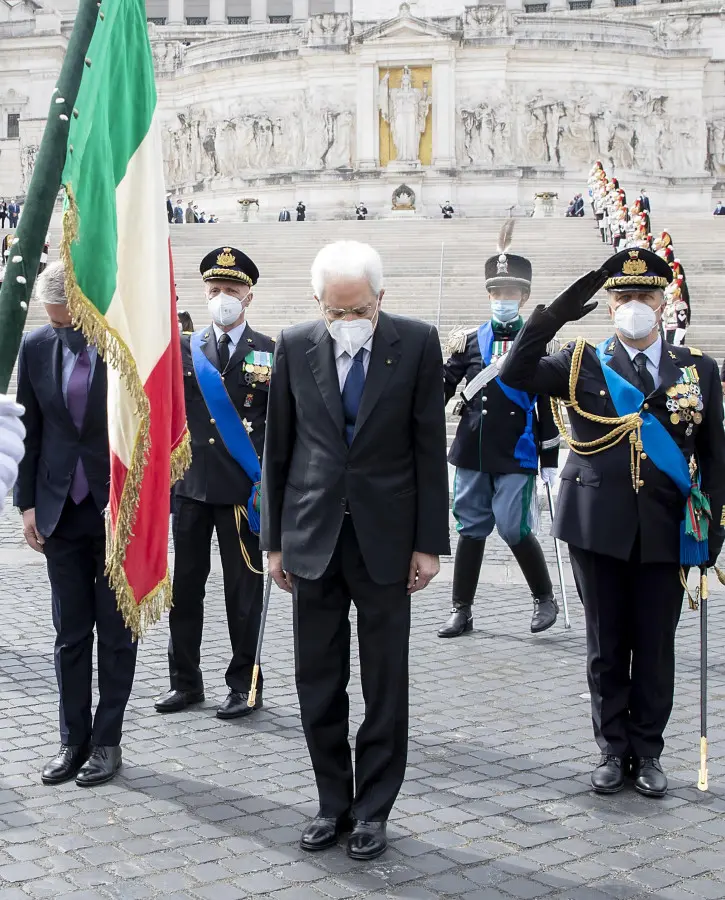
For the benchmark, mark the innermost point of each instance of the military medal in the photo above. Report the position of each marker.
(248, 400)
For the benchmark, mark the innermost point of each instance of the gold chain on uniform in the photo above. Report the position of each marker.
(622, 426)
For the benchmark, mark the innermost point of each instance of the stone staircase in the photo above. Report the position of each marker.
(560, 249)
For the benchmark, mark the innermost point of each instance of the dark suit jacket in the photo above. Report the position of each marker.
(53, 444)
(393, 478)
(598, 507)
(214, 475)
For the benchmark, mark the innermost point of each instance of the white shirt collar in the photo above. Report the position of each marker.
(235, 335)
(339, 351)
(653, 352)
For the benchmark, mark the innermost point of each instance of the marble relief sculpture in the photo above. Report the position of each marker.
(406, 109)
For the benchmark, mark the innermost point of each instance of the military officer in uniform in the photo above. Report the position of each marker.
(648, 443)
(227, 369)
(501, 439)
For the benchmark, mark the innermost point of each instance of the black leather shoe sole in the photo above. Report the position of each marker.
(539, 630)
(239, 713)
(451, 634)
(179, 706)
(368, 854)
(608, 790)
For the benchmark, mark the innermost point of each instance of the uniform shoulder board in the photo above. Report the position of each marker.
(695, 352)
(457, 340)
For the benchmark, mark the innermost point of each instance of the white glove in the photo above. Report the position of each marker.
(548, 476)
(12, 435)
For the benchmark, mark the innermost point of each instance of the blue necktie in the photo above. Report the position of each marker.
(352, 394)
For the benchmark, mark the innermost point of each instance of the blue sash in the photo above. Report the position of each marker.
(660, 447)
(525, 451)
(230, 426)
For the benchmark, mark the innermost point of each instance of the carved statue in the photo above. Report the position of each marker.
(28, 156)
(330, 29)
(485, 21)
(406, 109)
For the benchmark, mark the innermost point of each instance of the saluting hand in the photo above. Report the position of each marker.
(282, 579)
(423, 569)
(576, 301)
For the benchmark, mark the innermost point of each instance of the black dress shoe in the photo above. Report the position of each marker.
(175, 701)
(65, 764)
(236, 705)
(546, 610)
(322, 833)
(102, 765)
(368, 840)
(649, 779)
(608, 777)
(460, 621)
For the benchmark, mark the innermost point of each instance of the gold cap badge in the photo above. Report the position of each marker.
(634, 265)
(226, 258)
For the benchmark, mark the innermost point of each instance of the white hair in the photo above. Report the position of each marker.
(50, 286)
(347, 260)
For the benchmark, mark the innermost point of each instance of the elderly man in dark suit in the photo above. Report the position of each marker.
(62, 490)
(354, 508)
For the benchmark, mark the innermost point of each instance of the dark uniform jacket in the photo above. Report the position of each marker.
(491, 424)
(214, 476)
(53, 444)
(599, 509)
(393, 478)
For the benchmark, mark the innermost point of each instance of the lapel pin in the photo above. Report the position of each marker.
(206, 336)
(249, 340)
(388, 362)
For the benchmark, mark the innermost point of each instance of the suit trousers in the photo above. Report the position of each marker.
(632, 611)
(81, 596)
(322, 664)
(194, 523)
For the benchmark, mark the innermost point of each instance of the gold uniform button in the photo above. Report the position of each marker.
(644, 456)
(212, 421)
(646, 406)
(212, 441)
(641, 483)
(188, 373)
(578, 480)
(602, 393)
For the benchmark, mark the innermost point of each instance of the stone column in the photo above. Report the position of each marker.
(343, 6)
(368, 132)
(444, 114)
(175, 12)
(300, 10)
(259, 13)
(217, 12)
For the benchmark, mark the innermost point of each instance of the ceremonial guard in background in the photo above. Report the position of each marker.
(496, 451)
(447, 210)
(301, 212)
(227, 369)
(648, 447)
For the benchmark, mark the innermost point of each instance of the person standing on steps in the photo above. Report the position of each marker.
(227, 369)
(502, 438)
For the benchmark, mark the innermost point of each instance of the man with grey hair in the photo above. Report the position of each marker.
(354, 508)
(62, 491)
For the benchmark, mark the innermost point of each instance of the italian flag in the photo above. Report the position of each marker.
(120, 287)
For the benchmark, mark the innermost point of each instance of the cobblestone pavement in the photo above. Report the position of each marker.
(496, 802)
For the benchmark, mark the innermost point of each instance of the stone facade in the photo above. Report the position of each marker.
(501, 103)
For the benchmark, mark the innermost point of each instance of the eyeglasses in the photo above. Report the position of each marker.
(359, 312)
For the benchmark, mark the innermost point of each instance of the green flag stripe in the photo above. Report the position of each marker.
(115, 104)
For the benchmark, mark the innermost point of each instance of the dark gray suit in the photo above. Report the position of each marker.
(347, 520)
(74, 541)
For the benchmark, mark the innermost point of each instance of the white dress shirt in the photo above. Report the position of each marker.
(235, 335)
(343, 361)
(653, 354)
(69, 363)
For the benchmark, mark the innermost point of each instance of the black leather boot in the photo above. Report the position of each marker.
(469, 556)
(530, 557)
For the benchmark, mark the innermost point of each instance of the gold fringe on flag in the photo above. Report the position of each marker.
(138, 616)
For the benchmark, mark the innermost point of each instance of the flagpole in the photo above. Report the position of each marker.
(24, 257)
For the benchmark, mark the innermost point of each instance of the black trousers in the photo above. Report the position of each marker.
(82, 598)
(322, 658)
(194, 523)
(632, 610)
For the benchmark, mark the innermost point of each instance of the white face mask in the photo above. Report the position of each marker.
(505, 310)
(635, 319)
(225, 309)
(351, 335)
